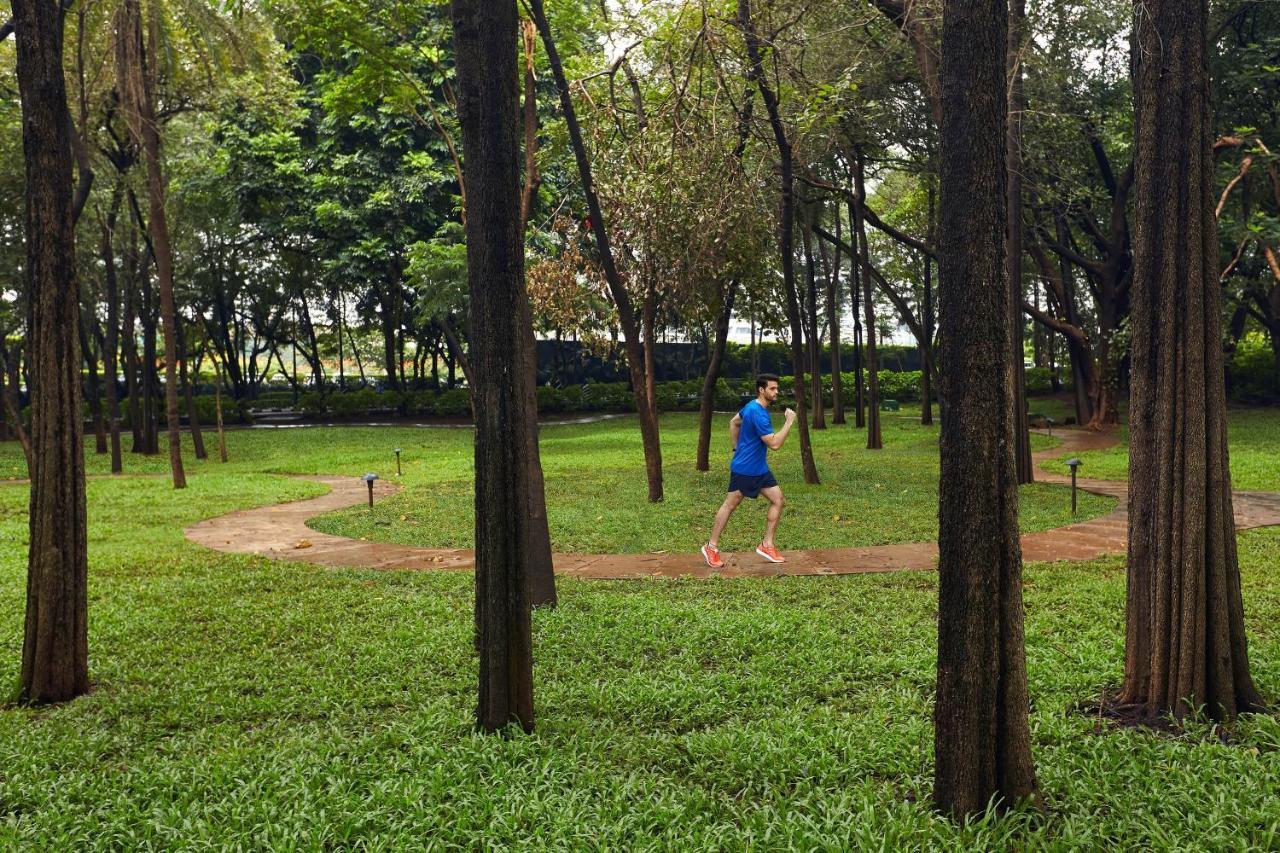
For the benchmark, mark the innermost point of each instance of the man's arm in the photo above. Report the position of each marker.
(735, 427)
(775, 440)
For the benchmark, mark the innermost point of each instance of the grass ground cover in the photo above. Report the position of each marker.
(241, 703)
(1254, 436)
(597, 498)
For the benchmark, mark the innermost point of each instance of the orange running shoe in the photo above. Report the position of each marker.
(711, 554)
(770, 553)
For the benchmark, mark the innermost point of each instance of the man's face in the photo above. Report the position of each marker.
(770, 391)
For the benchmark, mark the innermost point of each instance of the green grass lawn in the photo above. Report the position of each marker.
(1254, 436)
(597, 493)
(243, 703)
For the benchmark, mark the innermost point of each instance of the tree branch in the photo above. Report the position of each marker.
(873, 220)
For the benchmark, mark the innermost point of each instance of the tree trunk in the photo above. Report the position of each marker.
(132, 367)
(110, 357)
(622, 301)
(982, 738)
(139, 99)
(1013, 243)
(150, 385)
(388, 316)
(833, 323)
(485, 42)
(12, 407)
(55, 647)
(217, 410)
(874, 439)
(786, 228)
(95, 389)
(1184, 617)
(815, 345)
(926, 346)
(714, 363)
(855, 299)
(193, 414)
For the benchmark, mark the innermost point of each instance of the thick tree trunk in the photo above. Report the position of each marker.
(55, 647)
(874, 439)
(708, 397)
(786, 229)
(1185, 642)
(140, 103)
(982, 738)
(485, 40)
(1017, 379)
(631, 332)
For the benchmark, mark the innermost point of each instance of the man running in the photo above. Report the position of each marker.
(751, 435)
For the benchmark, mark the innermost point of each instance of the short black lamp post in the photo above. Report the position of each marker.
(1073, 464)
(397, 462)
(1048, 422)
(368, 480)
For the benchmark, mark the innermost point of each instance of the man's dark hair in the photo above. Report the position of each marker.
(763, 380)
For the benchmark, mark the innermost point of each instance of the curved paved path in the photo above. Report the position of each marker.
(281, 532)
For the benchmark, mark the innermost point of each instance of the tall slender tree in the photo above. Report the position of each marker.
(55, 646)
(856, 216)
(627, 317)
(786, 228)
(136, 70)
(982, 737)
(485, 38)
(1184, 638)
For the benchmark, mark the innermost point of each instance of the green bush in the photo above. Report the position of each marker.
(903, 387)
(608, 397)
(550, 400)
(1252, 375)
(571, 395)
(454, 404)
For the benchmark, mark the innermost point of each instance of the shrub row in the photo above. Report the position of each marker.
(676, 395)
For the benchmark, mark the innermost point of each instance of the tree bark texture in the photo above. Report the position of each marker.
(982, 737)
(786, 232)
(485, 38)
(1184, 621)
(55, 647)
(138, 96)
(1013, 248)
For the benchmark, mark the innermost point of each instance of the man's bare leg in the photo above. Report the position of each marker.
(776, 502)
(727, 508)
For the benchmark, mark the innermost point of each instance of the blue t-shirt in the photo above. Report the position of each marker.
(751, 457)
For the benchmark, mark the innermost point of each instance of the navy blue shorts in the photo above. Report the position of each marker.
(751, 484)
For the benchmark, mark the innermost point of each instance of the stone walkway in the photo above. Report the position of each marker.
(280, 532)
